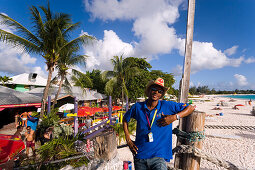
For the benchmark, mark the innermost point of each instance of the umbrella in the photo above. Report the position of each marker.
(84, 111)
(116, 107)
(67, 106)
(239, 105)
(10, 146)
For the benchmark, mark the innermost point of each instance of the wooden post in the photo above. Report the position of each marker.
(75, 117)
(184, 84)
(105, 146)
(48, 106)
(194, 123)
(110, 109)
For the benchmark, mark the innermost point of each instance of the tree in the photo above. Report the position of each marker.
(50, 30)
(97, 81)
(82, 80)
(67, 60)
(193, 90)
(5, 79)
(138, 82)
(122, 71)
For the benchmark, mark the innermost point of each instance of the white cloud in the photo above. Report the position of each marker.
(152, 24)
(250, 60)
(14, 60)
(231, 51)
(205, 56)
(241, 80)
(102, 51)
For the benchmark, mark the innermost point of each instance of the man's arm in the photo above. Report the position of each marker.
(130, 143)
(168, 119)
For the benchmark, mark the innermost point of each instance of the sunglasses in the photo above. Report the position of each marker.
(158, 90)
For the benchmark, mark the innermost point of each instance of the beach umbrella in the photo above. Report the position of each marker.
(67, 106)
(116, 107)
(239, 105)
(10, 147)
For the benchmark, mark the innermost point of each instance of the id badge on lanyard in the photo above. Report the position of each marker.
(150, 135)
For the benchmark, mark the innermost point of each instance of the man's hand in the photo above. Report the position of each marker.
(166, 120)
(132, 146)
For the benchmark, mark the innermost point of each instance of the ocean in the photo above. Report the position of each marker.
(242, 96)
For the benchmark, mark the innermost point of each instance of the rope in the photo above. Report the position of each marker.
(199, 153)
(190, 136)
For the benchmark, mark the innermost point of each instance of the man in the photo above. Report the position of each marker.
(88, 122)
(153, 144)
(30, 140)
(18, 132)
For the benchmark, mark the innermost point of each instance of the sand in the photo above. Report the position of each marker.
(234, 145)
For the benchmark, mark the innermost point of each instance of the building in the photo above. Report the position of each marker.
(25, 82)
(14, 102)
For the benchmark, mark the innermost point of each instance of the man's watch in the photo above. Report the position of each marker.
(178, 117)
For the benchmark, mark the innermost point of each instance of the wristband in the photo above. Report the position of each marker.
(178, 117)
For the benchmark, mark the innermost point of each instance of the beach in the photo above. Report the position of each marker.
(235, 145)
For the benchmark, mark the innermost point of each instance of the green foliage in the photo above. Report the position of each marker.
(62, 130)
(136, 86)
(4, 80)
(97, 80)
(82, 80)
(58, 148)
(206, 90)
(48, 121)
(120, 131)
(35, 114)
(49, 38)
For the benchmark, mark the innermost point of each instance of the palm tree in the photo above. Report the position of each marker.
(67, 61)
(50, 33)
(5, 79)
(122, 71)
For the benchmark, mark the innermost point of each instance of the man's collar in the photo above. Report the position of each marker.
(157, 107)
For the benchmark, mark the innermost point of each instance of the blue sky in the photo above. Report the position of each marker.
(223, 47)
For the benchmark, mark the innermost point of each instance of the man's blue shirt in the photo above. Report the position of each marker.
(162, 136)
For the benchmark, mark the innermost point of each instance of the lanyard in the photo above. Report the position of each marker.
(150, 125)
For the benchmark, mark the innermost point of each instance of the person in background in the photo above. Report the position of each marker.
(18, 132)
(30, 140)
(250, 102)
(88, 122)
(24, 117)
(17, 119)
(153, 144)
(47, 136)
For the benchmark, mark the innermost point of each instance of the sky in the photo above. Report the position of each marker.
(223, 53)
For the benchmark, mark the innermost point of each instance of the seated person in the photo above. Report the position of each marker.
(18, 132)
(47, 136)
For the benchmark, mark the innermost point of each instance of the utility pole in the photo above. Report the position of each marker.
(184, 84)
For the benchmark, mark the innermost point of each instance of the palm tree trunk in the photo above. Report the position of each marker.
(59, 89)
(122, 95)
(45, 93)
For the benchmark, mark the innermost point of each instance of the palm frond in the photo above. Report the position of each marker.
(18, 41)
(107, 74)
(77, 42)
(109, 85)
(8, 21)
